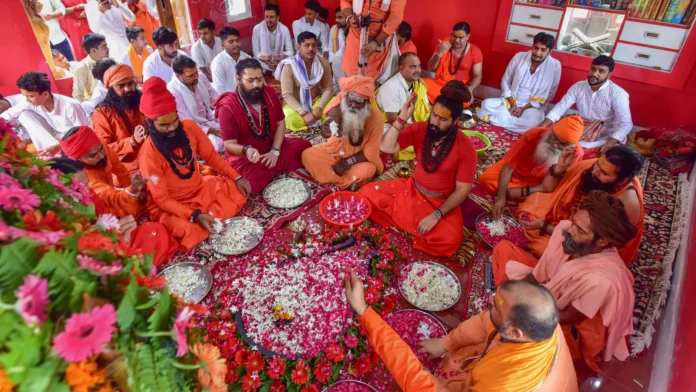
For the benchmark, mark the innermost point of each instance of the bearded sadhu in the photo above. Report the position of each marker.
(182, 199)
(584, 271)
(428, 204)
(522, 170)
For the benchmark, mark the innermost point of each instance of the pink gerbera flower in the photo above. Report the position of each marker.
(183, 321)
(98, 267)
(16, 198)
(32, 300)
(108, 222)
(7, 181)
(86, 334)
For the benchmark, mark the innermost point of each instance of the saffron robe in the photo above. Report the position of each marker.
(472, 57)
(116, 132)
(320, 159)
(562, 204)
(110, 183)
(527, 171)
(598, 285)
(408, 47)
(400, 203)
(234, 125)
(173, 199)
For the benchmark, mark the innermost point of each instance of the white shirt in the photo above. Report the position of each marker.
(155, 66)
(288, 46)
(517, 74)
(609, 104)
(224, 72)
(393, 94)
(203, 55)
(321, 30)
(203, 111)
(49, 6)
(111, 25)
(341, 43)
(67, 113)
(98, 96)
(126, 57)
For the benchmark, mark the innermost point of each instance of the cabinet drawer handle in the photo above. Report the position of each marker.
(515, 40)
(537, 17)
(530, 35)
(651, 34)
(643, 56)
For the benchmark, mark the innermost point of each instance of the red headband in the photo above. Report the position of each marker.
(79, 143)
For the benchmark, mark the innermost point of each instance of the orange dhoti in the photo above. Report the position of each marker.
(488, 180)
(399, 203)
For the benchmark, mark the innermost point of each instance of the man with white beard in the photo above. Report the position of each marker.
(522, 170)
(350, 156)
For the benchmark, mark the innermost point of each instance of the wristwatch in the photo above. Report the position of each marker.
(437, 213)
(275, 152)
(194, 216)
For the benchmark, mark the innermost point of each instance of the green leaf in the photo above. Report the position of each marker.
(16, 261)
(46, 377)
(58, 267)
(160, 319)
(126, 310)
(8, 321)
(81, 287)
(23, 353)
(151, 370)
(149, 304)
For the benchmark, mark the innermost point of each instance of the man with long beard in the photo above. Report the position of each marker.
(427, 205)
(253, 128)
(117, 119)
(522, 170)
(350, 156)
(615, 173)
(182, 199)
(584, 271)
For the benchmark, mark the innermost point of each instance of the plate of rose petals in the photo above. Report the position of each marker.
(492, 230)
(350, 386)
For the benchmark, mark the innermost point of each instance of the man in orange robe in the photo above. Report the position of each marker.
(121, 194)
(117, 119)
(144, 19)
(182, 199)
(372, 30)
(428, 204)
(522, 170)
(583, 270)
(350, 156)
(516, 347)
(615, 173)
(403, 35)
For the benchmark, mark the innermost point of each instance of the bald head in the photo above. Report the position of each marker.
(532, 309)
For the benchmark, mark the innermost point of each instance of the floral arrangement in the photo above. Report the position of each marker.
(76, 309)
(320, 342)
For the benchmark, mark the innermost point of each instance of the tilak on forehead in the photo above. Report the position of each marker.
(498, 298)
(607, 166)
(442, 112)
(192, 72)
(167, 118)
(459, 33)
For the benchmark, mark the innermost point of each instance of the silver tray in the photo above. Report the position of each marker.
(266, 197)
(201, 291)
(487, 216)
(253, 243)
(328, 389)
(444, 330)
(449, 271)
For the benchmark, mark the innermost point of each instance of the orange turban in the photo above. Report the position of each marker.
(118, 73)
(79, 143)
(569, 128)
(360, 85)
(156, 101)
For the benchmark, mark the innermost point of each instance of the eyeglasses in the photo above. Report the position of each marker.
(254, 80)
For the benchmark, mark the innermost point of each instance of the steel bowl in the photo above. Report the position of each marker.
(253, 243)
(444, 330)
(201, 291)
(449, 271)
(485, 217)
(270, 203)
(370, 387)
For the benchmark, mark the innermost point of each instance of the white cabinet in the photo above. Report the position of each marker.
(654, 35)
(644, 56)
(535, 16)
(524, 34)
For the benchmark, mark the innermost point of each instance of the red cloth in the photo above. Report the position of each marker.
(156, 100)
(458, 166)
(79, 143)
(234, 125)
(75, 28)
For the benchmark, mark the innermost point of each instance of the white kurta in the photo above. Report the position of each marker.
(392, 95)
(155, 66)
(287, 49)
(224, 71)
(98, 96)
(197, 106)
(111, 25)
(203, 54)
(321, 30)
(609, 104)
(47, 128)
(337, 45)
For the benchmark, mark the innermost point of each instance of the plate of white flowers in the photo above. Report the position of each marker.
(429, 286)
(236, 236)
(190, 281)
(286, 193)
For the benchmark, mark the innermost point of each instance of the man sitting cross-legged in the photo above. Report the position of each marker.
(522, 170)
(253, 127)
(584, 271)
(428, 204)
(194, 98)
(615, 172)
(305, 80)
(182, 199)
(117, 119)
(350, 156)
(517, 346)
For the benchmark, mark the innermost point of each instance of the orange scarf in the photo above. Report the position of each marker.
(136, 61)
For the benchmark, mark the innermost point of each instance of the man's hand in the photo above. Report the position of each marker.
(50, 16)
(566, 159)
(139, 134)
(243, 186)
(252, 155)
(533, 224)
(369, 48)
(317, 113)
(126, 225)
(214, 132)
(432, 347)
(326, 55)
(269, 160)
(355, 293)
(546, 123)
(516, 112)
(309, 118)
(326, 128)
(341, 167)
(443, 47)
(83, 15)
(427, 224)
(51, 151)
(408, 107)
(138, 182)
(207, 222)
(499, 207)
(609, 144)
(353, 22)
